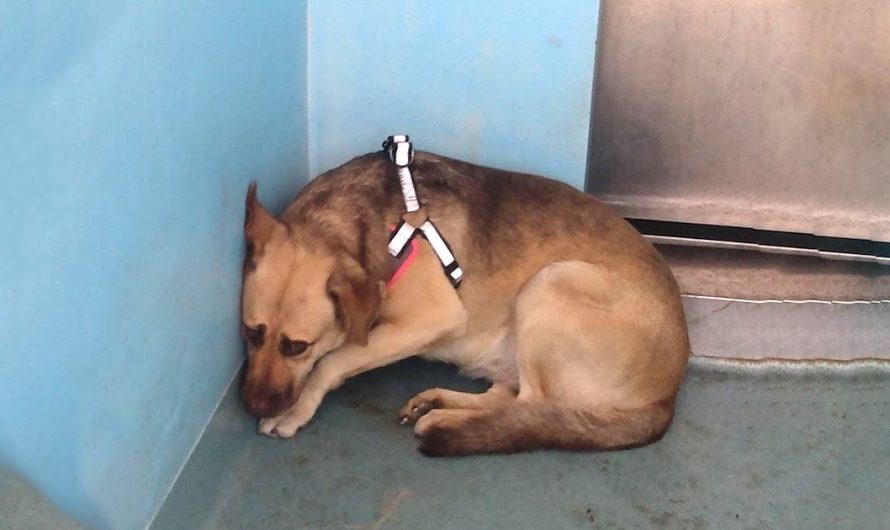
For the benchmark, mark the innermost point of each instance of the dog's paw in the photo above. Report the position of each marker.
(419, 405)
(283, 426)
(267, 426)
(438, 432)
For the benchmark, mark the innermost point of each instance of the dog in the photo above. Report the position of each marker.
(570, 313)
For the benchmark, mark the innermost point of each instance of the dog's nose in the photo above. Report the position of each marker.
(265, 404)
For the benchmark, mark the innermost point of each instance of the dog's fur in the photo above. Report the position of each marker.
(571, 314)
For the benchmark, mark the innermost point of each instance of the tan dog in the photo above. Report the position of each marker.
(570, 313)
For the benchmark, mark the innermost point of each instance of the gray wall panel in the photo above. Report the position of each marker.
(763, 113)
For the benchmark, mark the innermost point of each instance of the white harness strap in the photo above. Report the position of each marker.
(400, 238)
(401, 153)
(452, 269)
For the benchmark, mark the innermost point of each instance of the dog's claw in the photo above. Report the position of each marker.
(417, 407)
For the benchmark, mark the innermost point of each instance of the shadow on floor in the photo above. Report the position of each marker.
(23, 508)
(774, 445)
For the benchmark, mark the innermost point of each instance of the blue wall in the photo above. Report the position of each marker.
(500, 82)
(129, 131)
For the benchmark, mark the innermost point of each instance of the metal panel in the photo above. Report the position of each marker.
(761, 113)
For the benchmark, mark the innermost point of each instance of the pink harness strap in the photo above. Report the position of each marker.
(403, 263)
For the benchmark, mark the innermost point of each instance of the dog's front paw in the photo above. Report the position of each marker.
(283, 426)
(420, 405)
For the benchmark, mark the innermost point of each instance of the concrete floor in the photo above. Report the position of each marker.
(752, 305)
(730, 328)
(754, 445)
(760, 275)
(24, 508)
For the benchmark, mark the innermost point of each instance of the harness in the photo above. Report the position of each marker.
(401, 153)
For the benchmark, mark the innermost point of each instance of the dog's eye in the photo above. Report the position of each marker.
(290, 348)
(255, 335)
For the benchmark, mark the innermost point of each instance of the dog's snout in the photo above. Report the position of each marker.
(265, 403)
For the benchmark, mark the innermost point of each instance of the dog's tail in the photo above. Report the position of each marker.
(528, 425)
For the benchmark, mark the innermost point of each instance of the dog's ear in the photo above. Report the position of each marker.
(258, 222)
(357, 298)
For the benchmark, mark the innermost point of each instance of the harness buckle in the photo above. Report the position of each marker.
(399, 150)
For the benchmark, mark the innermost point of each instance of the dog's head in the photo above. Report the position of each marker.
(301, 299)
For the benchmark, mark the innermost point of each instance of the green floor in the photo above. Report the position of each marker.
(753, 446)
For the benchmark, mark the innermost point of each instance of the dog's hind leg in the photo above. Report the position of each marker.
(440, 398)
(540, 424)
(600, 362)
